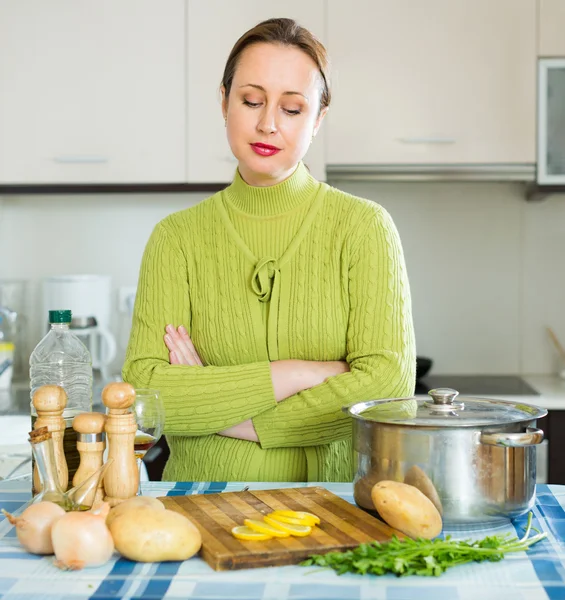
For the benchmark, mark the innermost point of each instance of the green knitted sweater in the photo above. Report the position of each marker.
(257, 274)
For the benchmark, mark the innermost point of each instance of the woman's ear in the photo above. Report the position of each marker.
(224, 102)
(319, 120)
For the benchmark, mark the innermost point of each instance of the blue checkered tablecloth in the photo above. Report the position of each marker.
(537, 575)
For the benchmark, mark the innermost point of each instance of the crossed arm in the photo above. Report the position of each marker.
(289, 376)
(284, 403)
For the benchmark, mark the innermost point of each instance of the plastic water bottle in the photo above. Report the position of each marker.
(62, 359)
(6, 351)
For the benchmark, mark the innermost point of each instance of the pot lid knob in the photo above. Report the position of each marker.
(443, 395)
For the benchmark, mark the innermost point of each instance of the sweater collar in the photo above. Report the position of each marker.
(275, 199)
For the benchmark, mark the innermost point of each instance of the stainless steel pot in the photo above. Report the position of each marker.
(474, 457)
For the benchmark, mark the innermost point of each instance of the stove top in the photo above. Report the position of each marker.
(478, 385)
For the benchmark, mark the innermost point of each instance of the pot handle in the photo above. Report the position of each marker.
(531, 437)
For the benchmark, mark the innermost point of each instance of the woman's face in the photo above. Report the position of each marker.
(273, 111)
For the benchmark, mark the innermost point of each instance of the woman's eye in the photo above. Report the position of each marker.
(252, 104)
(288, 111)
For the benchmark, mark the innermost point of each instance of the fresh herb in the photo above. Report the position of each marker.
(420, 556)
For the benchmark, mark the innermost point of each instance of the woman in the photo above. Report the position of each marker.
(280, 299)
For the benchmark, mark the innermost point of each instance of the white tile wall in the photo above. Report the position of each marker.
(543, 283)
(462, 246)
(487, 269)
(101, 234)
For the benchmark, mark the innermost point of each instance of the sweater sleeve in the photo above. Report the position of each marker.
(380, 346)
(198, 400)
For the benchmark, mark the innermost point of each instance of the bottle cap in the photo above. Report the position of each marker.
(60, 316)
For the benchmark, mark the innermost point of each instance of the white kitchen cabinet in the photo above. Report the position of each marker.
(92, 92)
(551, 36)
(435, 82)
(213, 28)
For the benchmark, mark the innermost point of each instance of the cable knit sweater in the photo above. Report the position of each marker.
(257, 274)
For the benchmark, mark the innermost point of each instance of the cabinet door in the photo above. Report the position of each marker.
(440, 81)
(551, 20)
(92, 91)
(213, 28)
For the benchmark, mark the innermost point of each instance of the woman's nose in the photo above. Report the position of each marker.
(267, 123)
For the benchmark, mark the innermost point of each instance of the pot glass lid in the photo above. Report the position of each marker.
(445, 409)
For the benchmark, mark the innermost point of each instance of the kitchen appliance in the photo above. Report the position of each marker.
(13, 306)
(89, 299)
(342, 526)
(478, 385)
(479, 454)
(551, 121)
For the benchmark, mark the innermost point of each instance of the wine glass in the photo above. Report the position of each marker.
(150, 417)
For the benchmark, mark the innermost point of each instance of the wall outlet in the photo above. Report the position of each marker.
(126, 298)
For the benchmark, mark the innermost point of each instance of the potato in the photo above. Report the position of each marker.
(418, 478)
(134, 502)
(363, 488)
(405, 508)
(149, 535)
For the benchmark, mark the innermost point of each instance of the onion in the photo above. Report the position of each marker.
(33, 526)
(81, 539)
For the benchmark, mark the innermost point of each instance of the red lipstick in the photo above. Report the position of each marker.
(264, 149)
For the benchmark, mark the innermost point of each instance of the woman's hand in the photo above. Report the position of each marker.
(293, 376)
(241, 431)
(289, 378)
(181, 348)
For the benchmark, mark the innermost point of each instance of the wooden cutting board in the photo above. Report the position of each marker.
(342, 526)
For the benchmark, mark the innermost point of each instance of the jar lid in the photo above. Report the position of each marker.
(445, 409)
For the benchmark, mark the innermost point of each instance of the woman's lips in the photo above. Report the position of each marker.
(265, 149)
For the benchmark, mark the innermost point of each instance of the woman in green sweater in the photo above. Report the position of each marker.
(264, 309)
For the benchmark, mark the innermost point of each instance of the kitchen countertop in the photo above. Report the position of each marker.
(551, 388)
(539, 574)
(16, 401)
(15, 423)
(14, 404)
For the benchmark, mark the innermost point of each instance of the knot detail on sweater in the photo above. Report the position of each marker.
(266, 284)
(270, 275)
(266, 276)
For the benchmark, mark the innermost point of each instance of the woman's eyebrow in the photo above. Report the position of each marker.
(260, 87)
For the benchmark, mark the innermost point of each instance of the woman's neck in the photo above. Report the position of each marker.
(255, 179)
(273, 199)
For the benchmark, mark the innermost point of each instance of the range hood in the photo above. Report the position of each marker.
(523, 173)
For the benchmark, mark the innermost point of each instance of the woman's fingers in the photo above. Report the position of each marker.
(176, 344)
(186, 338)
(176, 356)
(241, 431)
(179, 343)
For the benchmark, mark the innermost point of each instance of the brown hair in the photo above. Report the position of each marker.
(286, 32)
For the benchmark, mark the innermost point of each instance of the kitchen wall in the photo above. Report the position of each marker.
(486, 267)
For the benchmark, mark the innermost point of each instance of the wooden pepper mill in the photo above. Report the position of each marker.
(50, 402)
(90, 445)
(121, 480)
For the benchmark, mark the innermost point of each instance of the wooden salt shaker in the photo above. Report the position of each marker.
(90, 445)
(50, 402)
(121, 480)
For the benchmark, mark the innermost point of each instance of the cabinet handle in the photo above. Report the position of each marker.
(427, 140)
(87, 159)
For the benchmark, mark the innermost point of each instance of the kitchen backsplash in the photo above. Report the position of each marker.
(486, 268)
